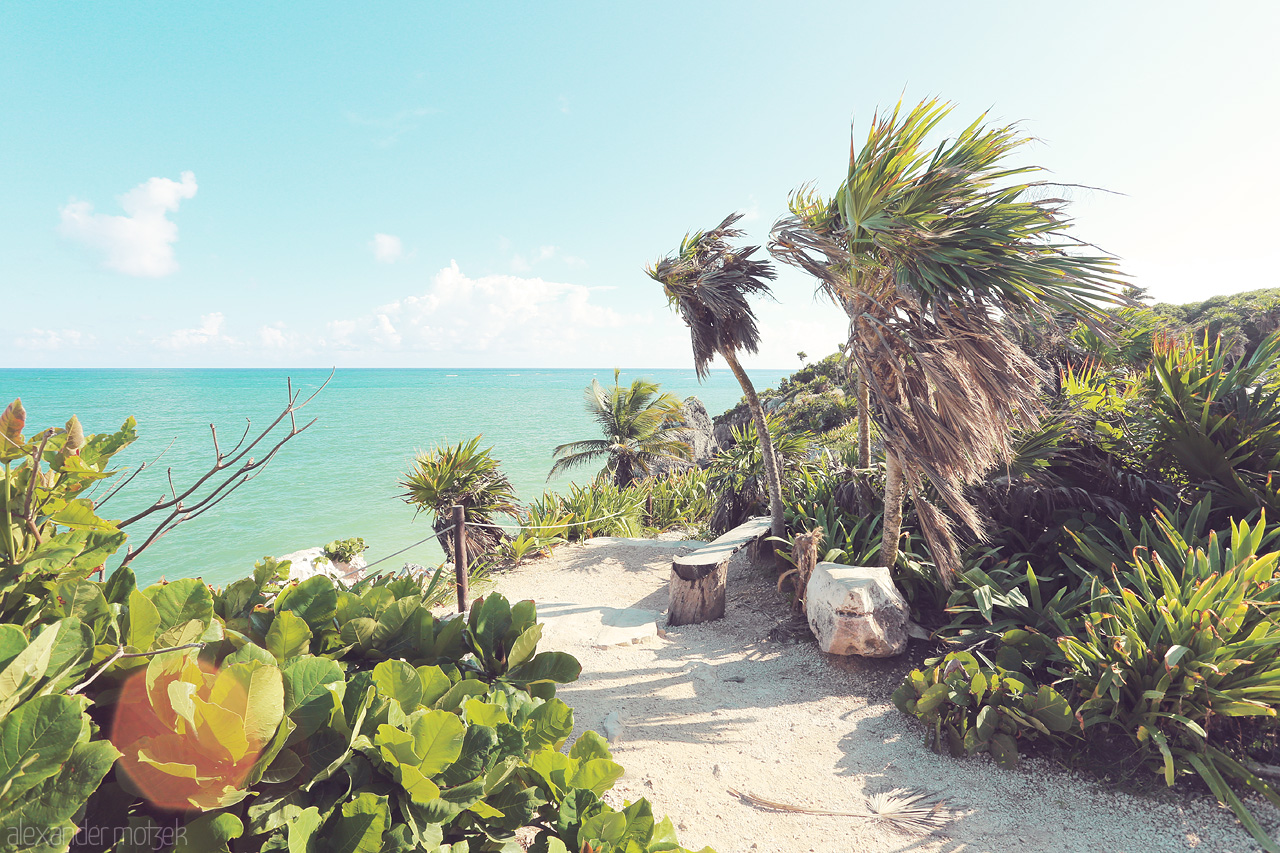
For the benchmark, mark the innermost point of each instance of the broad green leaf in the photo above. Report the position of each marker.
(588, 746)
(35, 739)
(437, 739)
(302, 829)
(306, 700)
(181, 601)
(1004, 749)
(26, 669)
(397, 680)
(209, 833)
(558, 667)
(478, 712)
(144, 621)
(119, 585)
(596, 775)
(1051, 709)
(434, 684)
(12, 641)
(315, 600)
(359, 825)
(288, 636)
(549, 725)
(60, 796)
(452, 701)
(524, 647)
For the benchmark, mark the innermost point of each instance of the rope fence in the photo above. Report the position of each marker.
(410, 548)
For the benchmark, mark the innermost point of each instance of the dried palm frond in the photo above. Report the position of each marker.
(903, 809)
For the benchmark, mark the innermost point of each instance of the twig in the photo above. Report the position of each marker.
(121, 653)
(127, 480)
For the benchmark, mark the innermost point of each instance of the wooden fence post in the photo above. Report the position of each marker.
(460, 568)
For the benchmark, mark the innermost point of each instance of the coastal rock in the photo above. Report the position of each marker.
(702, 440)
(312, 561)
(856, 610)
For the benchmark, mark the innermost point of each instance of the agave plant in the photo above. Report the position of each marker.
(463, 475)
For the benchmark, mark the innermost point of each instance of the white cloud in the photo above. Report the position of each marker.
(459, 315)
(52, 339)
(387, 248)
(208, 332)
(141, 242)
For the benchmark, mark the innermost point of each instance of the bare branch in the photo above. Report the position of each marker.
(34, 477)
(230, 471)
(121, 653)
(142, 467)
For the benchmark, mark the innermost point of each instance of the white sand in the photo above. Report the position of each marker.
(721, 705)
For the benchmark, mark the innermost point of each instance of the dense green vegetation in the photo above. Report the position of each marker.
(271, 714)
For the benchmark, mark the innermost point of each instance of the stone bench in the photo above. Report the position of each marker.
(698, 579)
(856, 610)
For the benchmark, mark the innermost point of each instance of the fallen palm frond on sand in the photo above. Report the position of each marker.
(910, 811)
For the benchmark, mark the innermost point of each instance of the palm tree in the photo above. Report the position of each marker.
(707, 282)
(641, 424)
(928, 248)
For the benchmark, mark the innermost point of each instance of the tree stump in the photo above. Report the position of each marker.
(698, 580)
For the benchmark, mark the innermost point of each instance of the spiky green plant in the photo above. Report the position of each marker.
(467, 475)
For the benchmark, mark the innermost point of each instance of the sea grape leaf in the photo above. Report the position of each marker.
(288, 636)
(315, 600)
(209, 833)
(1052, 710)
(524, 646)
(35, 739)
(306, 699)
(397, 680)
(248, 652)
(144, 621)
(119, 585)
(558, 667)
(588, 746)
(434, 684)
(482, 713)
(459, 692)
(359, 825)
(181, 601)
(438, 737)
(1004, 749)
(58, 797)
(477, 745)
(596, 775)
(302, 829)
(549, 725)
(12, 641)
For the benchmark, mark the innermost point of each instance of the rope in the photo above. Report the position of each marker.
(414, 545)
(584, 523)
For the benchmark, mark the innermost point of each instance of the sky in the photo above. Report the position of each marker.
(433, 184)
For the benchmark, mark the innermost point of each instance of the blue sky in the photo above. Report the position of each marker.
(453, 185)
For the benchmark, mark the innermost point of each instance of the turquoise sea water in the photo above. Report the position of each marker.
(338, 479)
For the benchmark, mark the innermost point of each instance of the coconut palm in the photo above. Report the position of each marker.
(707, 282)
(928, 248)
(641, 425)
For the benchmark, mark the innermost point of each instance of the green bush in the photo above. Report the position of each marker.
(272, 714)
(345, 550)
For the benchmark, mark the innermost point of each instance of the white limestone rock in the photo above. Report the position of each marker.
(312, 561)
(856, 610)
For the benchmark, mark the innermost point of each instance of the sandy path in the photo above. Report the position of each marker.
(722, 705)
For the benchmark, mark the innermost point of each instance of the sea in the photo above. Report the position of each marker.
(338, 479)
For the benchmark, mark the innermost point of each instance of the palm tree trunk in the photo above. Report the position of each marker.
(864, 422)
(777, 523)
(893, 498)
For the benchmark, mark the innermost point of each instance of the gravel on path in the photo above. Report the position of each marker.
(749, 703)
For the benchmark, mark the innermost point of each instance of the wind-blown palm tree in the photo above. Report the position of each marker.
(707, 282)
(927, 248)
(641, 424)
